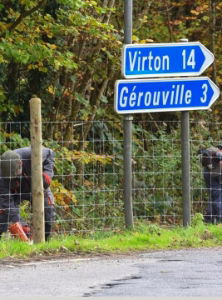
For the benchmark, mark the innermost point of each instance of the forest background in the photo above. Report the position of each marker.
(68, 53)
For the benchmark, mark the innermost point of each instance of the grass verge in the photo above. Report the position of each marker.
(143, 237)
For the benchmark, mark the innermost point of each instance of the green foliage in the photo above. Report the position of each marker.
(55, 40)
(13, 140)
(48, 43)
(197, 220)
(156, 173)
(144, 236)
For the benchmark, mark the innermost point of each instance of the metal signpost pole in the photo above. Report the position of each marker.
(185, 144)
(185, 151)
(127, 127)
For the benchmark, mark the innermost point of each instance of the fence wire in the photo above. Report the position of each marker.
(88, 181)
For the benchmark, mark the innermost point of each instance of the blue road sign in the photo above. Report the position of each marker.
(162, 95)
(162, 60)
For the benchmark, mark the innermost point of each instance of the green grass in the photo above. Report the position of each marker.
(144, 236)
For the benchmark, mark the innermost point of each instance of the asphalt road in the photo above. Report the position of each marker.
(196, 272)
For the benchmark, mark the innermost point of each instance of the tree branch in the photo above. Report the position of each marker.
(169, 20)
(25, 14)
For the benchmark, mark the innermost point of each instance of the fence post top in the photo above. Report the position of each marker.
(35, 98)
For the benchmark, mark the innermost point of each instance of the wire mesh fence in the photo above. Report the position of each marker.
(88, 180)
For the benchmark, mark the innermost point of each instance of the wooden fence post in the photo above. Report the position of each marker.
(37, 182)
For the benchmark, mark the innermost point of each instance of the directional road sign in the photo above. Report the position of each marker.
(162, 95)
(162, 60)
